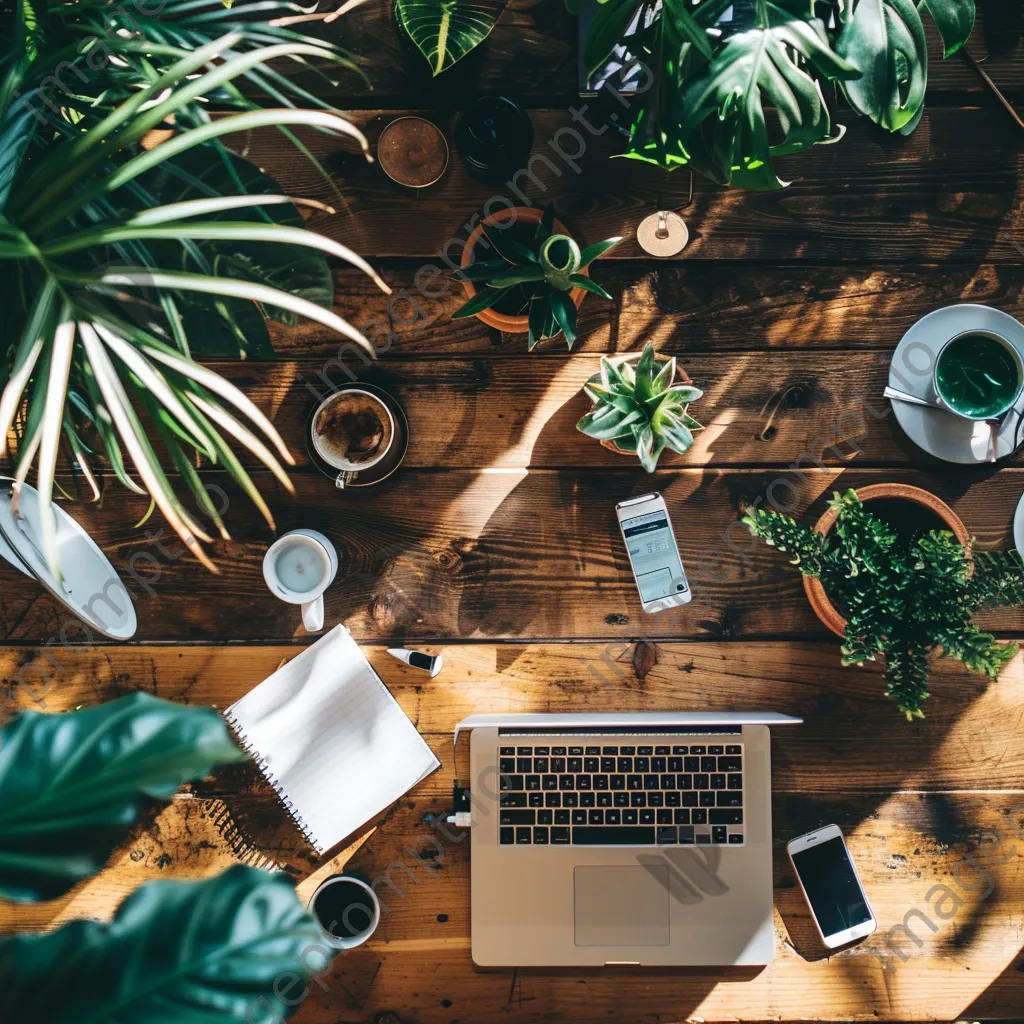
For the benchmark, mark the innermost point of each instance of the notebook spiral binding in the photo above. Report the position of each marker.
(263, 768)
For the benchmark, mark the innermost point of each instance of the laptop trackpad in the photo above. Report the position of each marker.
(619, 905)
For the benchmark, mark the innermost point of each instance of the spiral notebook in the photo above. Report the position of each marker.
(332, 741)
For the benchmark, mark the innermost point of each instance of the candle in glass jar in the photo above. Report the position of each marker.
(299, 567)
(412, 152)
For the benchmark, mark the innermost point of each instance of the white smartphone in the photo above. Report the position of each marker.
(831, 887)
(653, 552)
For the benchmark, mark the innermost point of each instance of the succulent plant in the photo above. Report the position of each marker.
(542, 272)
(640, 407)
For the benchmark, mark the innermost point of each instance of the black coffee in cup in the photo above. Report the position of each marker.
(353, 429)
(345, 909)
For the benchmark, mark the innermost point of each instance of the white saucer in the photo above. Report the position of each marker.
(91, 588)
(940, 433)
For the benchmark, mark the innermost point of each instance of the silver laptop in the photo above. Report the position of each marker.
(606, 839)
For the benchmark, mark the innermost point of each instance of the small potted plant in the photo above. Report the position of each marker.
(537, 279)
(640, 407)
(898, 590)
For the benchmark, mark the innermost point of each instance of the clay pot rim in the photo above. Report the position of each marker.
(816, 596)
(503, 321)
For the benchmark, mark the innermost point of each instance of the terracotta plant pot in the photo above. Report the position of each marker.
(520, 215)
(815, 592)
(682, 377)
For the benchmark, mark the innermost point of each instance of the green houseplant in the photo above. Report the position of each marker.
(905, 596)
(119, 262)
(537, 275)
(71, 785)
(727, 97)
(641, 407)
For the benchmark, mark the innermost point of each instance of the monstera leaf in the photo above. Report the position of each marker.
(71, 785)
(886, 40)
(759, 66)
(232, 949)
(954, 19)
(444, 31)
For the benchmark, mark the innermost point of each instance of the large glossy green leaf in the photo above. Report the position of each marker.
(954, 20)
(725, 106)
(886, 40)
(444, 31)
(72, 784)
(221, 951)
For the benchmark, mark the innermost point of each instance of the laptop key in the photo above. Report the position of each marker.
(543, 751)
(686, 835)
(734, 749)
(684, 782)
(588, 799)
(662, 750)
(615, 835)
(584, 782)
(549, 782)
(680, 750)
(730, 764)
(524, 751)
(630, 816)
(707, 798)
(574, 765)
(621, 799)
(658, 764)
(668, 782)
(613, 817)
(604, 799)
(524, 765)
(507, 751)
(645, 750)
(570, 799)
(566, 781)
(707, 764)
(541, 765)
(593, 750)
(532, 781)
(699, 782)
(691, 764)
(663, 816)
(507, 765)
(726, 816)
(699, 816)
(562, 818)
(703, 839)
(512, 800)
(575, 751)
(698, 750)
(628, 751)
(652, 782)
(617, 782)
(558, 764)
(610, 750)
(535, 799)
(540, 836)
(558, 751)
(681, 816)
(506, 836)
(719, 834)
(591, 764)
(608, 764)
(647, 816)
(729, 798)
(667, 835)
(624, 764)
(559, 836)
(517, 817)
(511, 782)
(735, 782)
(641, 764)
(579, 817)
(523, 836)
(689, 799)
(600, 781)
(552, 799)
(655, 799)
(634, 782)
(716, 750)
(735, 838)
(637, 799)
(545, 817)
(718, 781)
(672, 799)
(595, 817)
(675, 764)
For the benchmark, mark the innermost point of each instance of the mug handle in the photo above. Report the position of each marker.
(344, 478)
(313, 615)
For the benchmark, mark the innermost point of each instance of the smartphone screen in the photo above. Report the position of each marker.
(832, 888)
(653, 555)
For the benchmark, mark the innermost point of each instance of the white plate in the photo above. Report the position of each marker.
(1018, 527)
(941, 433)
(91, 588)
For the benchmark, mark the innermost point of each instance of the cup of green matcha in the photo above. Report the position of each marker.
(978, 375)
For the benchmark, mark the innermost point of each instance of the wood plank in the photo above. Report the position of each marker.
(758, 409)
(502, 554)
(418, 964)
(971, 726)
(702, 305)
(873, 198)
(531, 53)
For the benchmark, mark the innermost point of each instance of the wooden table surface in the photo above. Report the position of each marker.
(496, 542)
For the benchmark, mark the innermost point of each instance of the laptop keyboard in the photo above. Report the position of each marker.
(643, 795)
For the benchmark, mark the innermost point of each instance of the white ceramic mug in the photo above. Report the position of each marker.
(349, 469)
(298, 568)
(355, 924)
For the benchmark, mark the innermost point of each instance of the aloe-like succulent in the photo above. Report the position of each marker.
(640, 407)
(538, 276)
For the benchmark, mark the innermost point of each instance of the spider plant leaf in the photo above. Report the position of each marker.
(237, 289)
(81, 454)
(483, 270)
(53, 420)
(563, 309)
(134, 439)
(156, 384)
(484, 299)
(507, 247)
(589, 285)
(517, 275)
(104, 423)
(220, 204)
(444, 31)
(244, 436)
(591, 252)
(30, 345)
(540, 313)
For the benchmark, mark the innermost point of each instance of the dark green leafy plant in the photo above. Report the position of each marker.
(119, 259)
(903, 599)
(727, 97)
(444, 31)
(71, 785)
(538, 276)
(641, 407)
(215, 951)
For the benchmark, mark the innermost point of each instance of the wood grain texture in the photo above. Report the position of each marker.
(873, 198)
(695, 306)
(503, 554)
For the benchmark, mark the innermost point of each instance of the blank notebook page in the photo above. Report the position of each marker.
(331, 739)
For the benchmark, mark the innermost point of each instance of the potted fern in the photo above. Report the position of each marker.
(898, 591)
(535, 277)
(640, 407)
